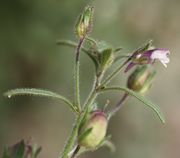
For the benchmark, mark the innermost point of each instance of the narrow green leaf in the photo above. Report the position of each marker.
(85, 134)
(154, 107)
(20, 150)
(74, 45)
(38, 92)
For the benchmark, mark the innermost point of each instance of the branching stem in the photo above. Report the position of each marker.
(72, 138)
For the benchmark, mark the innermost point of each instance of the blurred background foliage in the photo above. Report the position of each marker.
(29, 57)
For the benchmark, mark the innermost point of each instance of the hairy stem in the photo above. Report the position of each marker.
(118, 106)
(72, 138)
(77, 64)
(111, 76)
(94, 93)
(74, 132)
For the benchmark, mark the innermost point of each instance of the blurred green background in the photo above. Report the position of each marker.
(29, 57)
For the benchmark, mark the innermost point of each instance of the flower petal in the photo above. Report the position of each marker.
(130, 65)
(161, 55)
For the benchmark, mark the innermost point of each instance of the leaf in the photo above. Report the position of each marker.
(146, 102)
(108, 143)
(85, 134)
(74, 45)
(102, 46)
(38, 92)
(20, 150)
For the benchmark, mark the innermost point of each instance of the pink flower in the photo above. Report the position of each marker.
(149, 57)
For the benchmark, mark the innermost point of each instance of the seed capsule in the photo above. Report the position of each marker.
(93, 130)
(141, 79)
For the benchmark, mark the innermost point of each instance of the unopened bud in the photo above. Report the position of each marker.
(141, 79)
(93, 130)
(84, 23)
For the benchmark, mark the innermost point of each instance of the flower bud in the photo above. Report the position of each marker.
(141, 79)
(84, 23)
(93, 130)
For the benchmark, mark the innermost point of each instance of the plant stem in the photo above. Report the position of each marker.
(94, 93)
(111, 76)
(72, 138)
(78, 49)
(118, 106)
(74, 132)
(77, 87)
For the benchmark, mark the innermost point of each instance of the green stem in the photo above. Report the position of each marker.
(111, 76)
(77, 64)
(72, 138)
(77, 89)
(74, 132)
(94, 93)
(90, 99)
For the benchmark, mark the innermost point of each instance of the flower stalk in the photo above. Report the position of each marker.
(118, 106)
